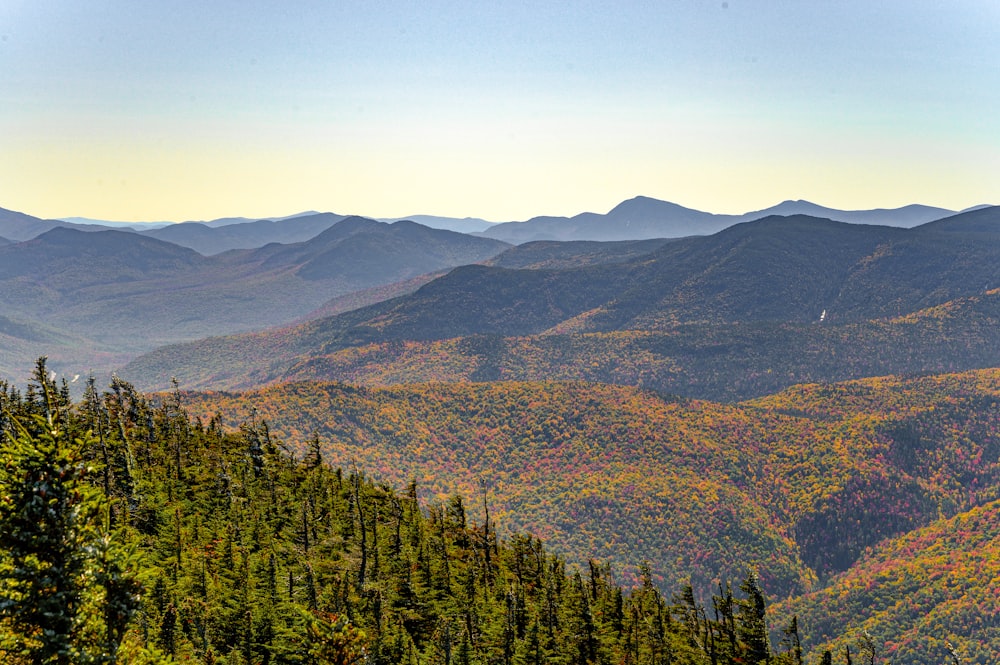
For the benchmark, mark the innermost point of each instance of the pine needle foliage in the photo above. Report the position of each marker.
(67, 583)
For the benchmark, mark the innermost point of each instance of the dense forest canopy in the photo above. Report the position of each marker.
(134, 533)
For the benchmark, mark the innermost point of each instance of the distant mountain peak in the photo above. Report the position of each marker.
(981, 206)
(978, 220)
(58, 232)
(109, 240)
(647, 203)
(642, 199)
(357, 222)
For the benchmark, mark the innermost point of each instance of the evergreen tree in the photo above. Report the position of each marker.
(67, 591)
(751, 623)
(792, 643)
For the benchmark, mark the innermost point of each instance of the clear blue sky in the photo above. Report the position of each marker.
(143, 110)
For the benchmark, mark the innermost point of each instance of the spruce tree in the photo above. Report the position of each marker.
(752, 624)
(66, 594)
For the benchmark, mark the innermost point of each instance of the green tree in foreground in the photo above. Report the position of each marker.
(67, 593)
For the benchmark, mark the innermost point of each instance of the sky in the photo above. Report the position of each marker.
(126, 110)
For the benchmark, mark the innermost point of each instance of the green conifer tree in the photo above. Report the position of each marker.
(752, 624)
(66, 593)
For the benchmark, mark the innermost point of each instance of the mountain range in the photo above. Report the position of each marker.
(128, 292)
(816, 397)
(715, 315)
(639, 218)
(460, 224)
(643, 217)
(17, 226)
(207, 239)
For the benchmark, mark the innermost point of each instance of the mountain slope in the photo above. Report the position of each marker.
(207, 239)
(552, 468)
(635, 219)
(86, 258)
(363, 250)
(776, 268)
(985, 220)
(722, 362)
(733, 303)
(369, 296)
(643, 217)
(554, 255)
(906, 217)
(793, 268)
(624, 475)
(18, 226)
(133, 292)
(919, 593)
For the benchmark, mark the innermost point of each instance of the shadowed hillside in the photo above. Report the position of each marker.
(925, 595)
(212, 239)
(132, 293)
(732, 315)
(542, 254)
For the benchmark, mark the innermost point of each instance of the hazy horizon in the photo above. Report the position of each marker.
(125, 111)
(92, 220)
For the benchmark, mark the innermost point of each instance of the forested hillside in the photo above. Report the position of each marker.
(721, 362)
(244, 553)
(748, 311)
(615, 473)
(543, 255)
(926, 591)
(788, 482)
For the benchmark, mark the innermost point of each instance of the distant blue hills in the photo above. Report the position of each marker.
(638, 218)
